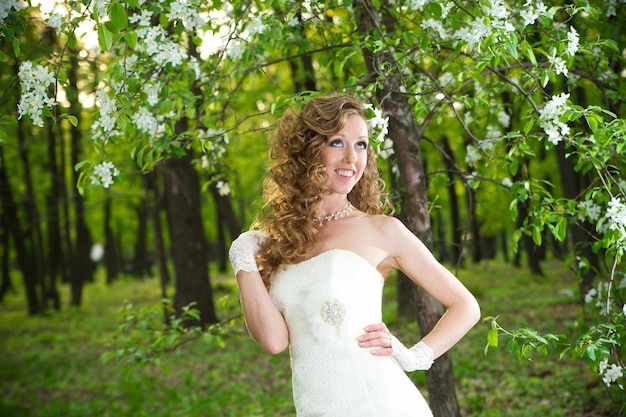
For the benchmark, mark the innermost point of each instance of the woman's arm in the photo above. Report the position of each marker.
(264, 322)
(408, 254)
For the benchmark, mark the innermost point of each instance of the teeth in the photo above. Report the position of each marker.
(345, 173)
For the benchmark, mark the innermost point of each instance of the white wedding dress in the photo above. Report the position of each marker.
(326, 301)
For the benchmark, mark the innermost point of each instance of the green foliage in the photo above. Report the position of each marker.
(515, 97)
(146, 336)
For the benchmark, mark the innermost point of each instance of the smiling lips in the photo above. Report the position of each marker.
(346, 173)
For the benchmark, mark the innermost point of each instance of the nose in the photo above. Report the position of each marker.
(350, 154)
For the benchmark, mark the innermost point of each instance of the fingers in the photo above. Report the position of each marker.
(376, 336)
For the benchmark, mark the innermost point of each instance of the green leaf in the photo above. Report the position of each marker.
(529, 126)
(561, 229)
(514, 167)
(492, 337)
(73, 120)
(117, 13)
(16, 47)
(131, 39)
(537, 236)
(105, 37)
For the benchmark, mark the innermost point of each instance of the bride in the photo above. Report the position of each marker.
(311, 271)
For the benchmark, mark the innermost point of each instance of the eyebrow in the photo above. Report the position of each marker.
(343, 136)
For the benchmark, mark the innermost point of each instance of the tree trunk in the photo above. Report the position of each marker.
(24, 259)
(573, 184)
(455, 216)
(6, 284)
(189, 249)
(111, 259)
(406, 137)
(302, 72)
(33, 233)
(477, 254)
(82, 267)
(140, 261)
(226, 221)
(405, 288)
(153, 211)
(54, 228)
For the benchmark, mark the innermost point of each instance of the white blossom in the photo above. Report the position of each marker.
(615, 219)
(436, 26)
(186, 13)
(611, 8)
(529, 15)
(34, 82)
(159, 47)
(592, 210)
(559, 64)
(152, 91)
(612, 374)
(378, 124)
(235, 49)
(103, 174)
(446, 78)
(624, 309)
(572, 41)
(55, 21)
(604, 363)
(146, 121)
(549, 116)
(503, 118)
(473, 154)
(493, 132)
(100, 7)
(507, 182)
(143, 18)
(223, 188)
(256, 26)
(293, 21)
(386, 150)
(7, 5)
(417, 5)
(108, 107)
(531, 11)
(590, 295)
(204, 161)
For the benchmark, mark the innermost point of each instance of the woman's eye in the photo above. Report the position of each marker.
(336, 142)
(361, 145)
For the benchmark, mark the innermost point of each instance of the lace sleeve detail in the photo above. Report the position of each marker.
(243, 250)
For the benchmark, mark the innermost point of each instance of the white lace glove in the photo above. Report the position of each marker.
(419, 357)
(243, 249)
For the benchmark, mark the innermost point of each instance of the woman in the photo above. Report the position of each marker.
(311, 274)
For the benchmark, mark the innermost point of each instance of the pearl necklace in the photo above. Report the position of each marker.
(333, 216)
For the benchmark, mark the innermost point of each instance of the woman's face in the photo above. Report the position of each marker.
(345, 155)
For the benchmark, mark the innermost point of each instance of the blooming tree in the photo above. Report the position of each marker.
(506, 81)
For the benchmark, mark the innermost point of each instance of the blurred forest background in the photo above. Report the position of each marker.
(133, 146)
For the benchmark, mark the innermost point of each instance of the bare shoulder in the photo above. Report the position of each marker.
(384, 232)
(388, 228)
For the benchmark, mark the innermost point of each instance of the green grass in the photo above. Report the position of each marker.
(50, 365)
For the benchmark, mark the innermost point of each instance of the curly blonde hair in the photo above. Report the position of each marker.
(296, 180)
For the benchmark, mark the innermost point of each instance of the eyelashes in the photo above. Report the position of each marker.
(337, 143)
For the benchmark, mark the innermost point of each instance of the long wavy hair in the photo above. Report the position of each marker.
(296, 180)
